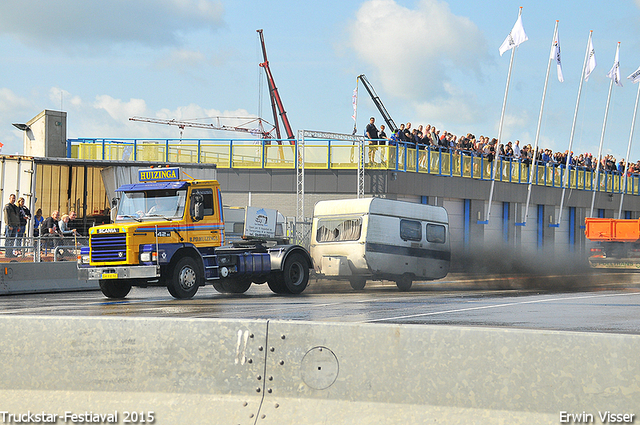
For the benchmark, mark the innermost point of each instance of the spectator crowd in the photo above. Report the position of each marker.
(429, 137)
(16, 218)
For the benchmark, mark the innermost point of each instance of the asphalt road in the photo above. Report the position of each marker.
(601, 303)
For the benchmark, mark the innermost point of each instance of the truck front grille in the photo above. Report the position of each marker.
(109, 247)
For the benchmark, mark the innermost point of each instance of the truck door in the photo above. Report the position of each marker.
(209, 230)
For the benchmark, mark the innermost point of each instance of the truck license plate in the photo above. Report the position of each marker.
(109, 276)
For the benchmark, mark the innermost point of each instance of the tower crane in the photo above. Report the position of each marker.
(383, 111)
(260, 131)
(276, 102)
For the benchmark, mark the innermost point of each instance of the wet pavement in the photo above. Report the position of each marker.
(589, 303)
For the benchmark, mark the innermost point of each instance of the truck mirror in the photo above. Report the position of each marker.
(198, 207)
(114, 202)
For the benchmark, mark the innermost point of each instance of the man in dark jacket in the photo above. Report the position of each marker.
(50, 228)
(11, 225)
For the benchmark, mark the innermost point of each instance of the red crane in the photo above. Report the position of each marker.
(276, 102)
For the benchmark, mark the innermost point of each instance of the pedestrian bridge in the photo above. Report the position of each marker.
(327, 154)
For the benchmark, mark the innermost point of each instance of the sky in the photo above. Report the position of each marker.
(430, 62)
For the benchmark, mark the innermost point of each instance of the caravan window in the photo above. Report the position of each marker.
(410, 230)
(436, 233)
(339, 229)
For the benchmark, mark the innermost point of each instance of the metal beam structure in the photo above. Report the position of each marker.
(300, 217)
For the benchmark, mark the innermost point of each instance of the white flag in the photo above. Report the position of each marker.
(516, 37)
(555, 53)
(614, 73)
(354, 100)
(635, 77)
(591, 62)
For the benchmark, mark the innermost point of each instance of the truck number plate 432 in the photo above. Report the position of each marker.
(109, 275)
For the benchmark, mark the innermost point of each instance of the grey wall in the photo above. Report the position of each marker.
(277, 189)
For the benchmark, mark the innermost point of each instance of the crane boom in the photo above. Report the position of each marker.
(276, 101)
(260, 131)
(383, 111)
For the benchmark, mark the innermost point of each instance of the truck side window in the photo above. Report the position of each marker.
(436, 233)
(410, 230)
(207, 195)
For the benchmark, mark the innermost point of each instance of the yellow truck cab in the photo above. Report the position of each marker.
(169, 232)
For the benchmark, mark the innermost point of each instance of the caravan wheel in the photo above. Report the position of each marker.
(358, 283)
(404, 283)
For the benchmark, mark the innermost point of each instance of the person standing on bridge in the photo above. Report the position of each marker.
(372, 134)
(11, 225)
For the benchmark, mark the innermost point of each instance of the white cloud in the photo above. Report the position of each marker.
(97, 22)
(415, 51)
(119, 110)
(183, 59)
(13, 109)
(420, 56)
(63, 97)
(10, 102)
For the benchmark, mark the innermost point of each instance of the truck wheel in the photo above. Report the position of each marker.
(185, 278)
(276, 284)
(404, 282)
(236, 286)
(296, 273)
(218, 286)
(115, 288)
(358, 283)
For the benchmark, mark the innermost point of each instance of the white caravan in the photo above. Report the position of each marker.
(376, 238)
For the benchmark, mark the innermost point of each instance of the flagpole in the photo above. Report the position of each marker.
(599, 158)
(573, 129)
(495, 156)
(595, 178)
(355, 109)
(626, 163)
(535, 148)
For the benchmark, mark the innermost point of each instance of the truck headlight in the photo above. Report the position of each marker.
(146, 257)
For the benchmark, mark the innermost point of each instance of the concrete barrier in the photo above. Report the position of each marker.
(202, 371)
(59, 276)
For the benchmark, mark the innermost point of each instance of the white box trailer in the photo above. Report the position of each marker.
(380, 239)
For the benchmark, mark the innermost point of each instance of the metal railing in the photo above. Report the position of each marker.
(40, 249)
(337, 154)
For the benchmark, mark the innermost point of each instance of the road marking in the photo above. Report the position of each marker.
(434, 313)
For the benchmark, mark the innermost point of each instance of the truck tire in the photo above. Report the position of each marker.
(276, 284)
(404, 282)
(358, 283)
(295, 274)
(236, 286)
(115, 288)
(186, 277)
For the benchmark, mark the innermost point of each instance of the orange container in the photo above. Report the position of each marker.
(609, 229)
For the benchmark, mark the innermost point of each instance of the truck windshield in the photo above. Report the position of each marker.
(150, 205)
